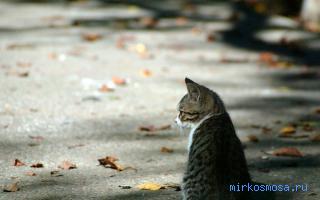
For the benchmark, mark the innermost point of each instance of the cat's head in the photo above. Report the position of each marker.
(198, 103)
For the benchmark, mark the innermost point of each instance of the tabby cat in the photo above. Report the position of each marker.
(216, 158)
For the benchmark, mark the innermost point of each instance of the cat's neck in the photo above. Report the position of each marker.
(195, 126)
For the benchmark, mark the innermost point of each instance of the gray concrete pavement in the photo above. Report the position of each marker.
(50, 78)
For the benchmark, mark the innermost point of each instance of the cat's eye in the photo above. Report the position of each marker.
(189, 113)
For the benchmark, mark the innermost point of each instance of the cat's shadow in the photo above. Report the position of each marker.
(269, 195)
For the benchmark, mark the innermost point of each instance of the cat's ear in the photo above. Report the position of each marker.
(193, 89)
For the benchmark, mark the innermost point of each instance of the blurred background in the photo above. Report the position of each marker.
(85, 79)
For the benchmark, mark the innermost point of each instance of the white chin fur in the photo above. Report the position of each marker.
(193, 127)
(184, 124)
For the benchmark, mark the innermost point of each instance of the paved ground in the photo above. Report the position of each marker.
(50, 78)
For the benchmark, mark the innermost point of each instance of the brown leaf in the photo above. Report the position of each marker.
(146, 73)
(55, 173)
(166, 150)
(211, 37)
(38, 138)
(267, 57)
(272, 61)
(105, 88)
(126, 187)
(317, 110)
(91, 37)
(299, 136)
(181, 21)
(253, 138)
(53, 56)
(23, 74)
(11, 187)
(152, 128)
(287, 131)
(33, 144)
(175, 186)
(149, 22)
(164, 127)
(24, 64)
(67, 165)
(307, 127)
(122, 40)
(110, 162)
(265, 130)
(118, 81)
(287, 151)
(37, 165)
(76, 145)
(20, 46)
(30, 173)
(316, 138)
(18, 163)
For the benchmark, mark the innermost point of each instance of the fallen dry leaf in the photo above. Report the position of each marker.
(149, 22)
(307, 127)
(118, 81)
(53, 56)
(55, 173)
(149, 186)
(20, 46)
(175, 186)
(91, 37)
(266, 130)
(11, 187)
(146, 73)
(157, 186)
(23, 74)
(125, 187)
(67, 165)
(317, 110)
(253, 138)
(105, 88)
(30, 173)
(75, 146)
(211, 37)
(33, 144)
(299, 136)
(181, 21)
(287, 131)
(24, 64)
(152, 128)
(267, 57)
(166, 150)
(18, 163)
(38, 138)
(287, 151)
(37, 165)
(122, 40)
(110, 162)
(272, 61)
(164, 127)
(316, 138)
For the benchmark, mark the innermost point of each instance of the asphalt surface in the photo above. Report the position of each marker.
(56, 68)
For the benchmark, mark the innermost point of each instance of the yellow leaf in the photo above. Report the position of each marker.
(287, 131)
(146, 73)
(149, 186)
